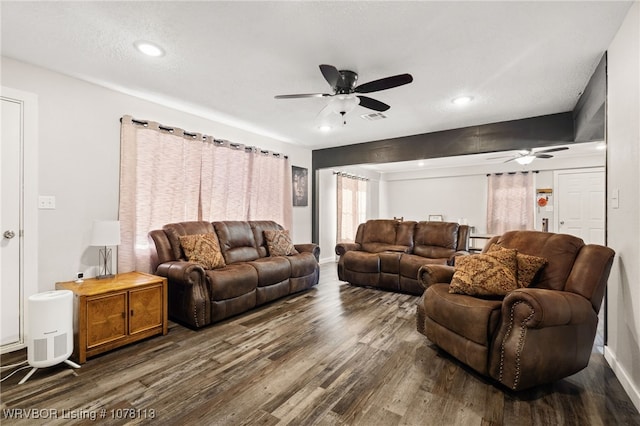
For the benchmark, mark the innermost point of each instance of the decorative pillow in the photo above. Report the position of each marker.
(279, 243)
(489, 274)
(203, 249)
(528, 266)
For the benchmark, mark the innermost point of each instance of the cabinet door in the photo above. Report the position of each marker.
(145, 309)
(106, 319)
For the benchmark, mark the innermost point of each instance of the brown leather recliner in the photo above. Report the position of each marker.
(533, 336)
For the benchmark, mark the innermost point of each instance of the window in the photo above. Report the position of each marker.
(510, 202)
(352, 206)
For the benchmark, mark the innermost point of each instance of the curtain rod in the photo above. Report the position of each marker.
(238, 146)
(343, 174)
(513, 173)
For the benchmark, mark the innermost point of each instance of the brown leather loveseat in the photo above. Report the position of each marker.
(535, 334)
(387, 254)
(249, 276)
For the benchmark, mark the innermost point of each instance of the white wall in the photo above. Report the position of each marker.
(79, 160)
(623, 221)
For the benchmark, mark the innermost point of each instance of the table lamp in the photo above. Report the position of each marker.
(105, 233)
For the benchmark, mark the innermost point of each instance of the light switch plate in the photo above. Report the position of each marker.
(47, 202)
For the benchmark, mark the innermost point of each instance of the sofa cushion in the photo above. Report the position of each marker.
(560, 250)
(232, 281)
(489, 274)
(279, 243)
(203, 249)
(360, 261)
(436, 239)
(236, 241)
(271, 270)
(471, 317)
(410, 264)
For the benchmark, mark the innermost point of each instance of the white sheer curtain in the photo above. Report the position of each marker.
(352, 206)
(225, 181)
(271, 187)
(168, 175)
(510, 202)
(157, 186)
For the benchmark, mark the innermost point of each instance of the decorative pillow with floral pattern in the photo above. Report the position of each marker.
(203, 249)
(279, 243)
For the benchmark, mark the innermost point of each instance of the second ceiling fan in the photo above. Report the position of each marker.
(347, 94)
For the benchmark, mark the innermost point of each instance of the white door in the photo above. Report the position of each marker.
(581, 204)
(18, 213)
(10, 243)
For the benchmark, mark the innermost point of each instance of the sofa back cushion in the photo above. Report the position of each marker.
(382, 235)
(237, 241)
(436, 240)
(176, 230)
(258, 227)
(560, 250)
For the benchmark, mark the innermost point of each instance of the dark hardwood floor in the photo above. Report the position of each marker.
(334, 355)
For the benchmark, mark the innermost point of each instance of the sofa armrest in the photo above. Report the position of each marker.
(309, 248)
(544, 335)
(188, 292)
(452, 259)
(342, 248)
(434, 273)
(539, 308)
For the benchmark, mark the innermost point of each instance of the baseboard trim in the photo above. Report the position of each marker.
(626, 382)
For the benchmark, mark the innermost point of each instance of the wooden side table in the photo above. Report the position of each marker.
(113, 312)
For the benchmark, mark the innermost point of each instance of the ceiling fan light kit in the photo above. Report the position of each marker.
(344, 97)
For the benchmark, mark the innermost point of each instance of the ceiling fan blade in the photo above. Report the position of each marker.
(384, 83)
(538, 155)
(303, 95)
(562, 148)
(373, 104)
(499, 158)
(331, 74)
(511, 159)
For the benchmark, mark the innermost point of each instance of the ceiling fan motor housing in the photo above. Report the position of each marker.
(347, 82)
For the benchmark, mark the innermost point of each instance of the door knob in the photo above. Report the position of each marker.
(9, 234)
(562, 222)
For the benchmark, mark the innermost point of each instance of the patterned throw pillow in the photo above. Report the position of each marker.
(489, 274)
(203, 249)
(279, 243)
(528, 266)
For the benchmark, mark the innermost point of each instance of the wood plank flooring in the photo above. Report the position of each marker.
(335, 355)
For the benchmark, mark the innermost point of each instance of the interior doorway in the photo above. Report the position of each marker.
(581, 212)
(18, 214)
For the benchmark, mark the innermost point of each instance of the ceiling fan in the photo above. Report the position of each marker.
(345, 94)
(528, 155)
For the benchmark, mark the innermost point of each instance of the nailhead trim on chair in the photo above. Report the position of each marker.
(523, 333)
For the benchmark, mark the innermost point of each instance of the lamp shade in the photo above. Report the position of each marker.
(105, 233)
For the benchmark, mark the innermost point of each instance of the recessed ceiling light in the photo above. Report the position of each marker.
(420, 163)
(601, 146)
(148, 48)
(462, 100)
(324, 128)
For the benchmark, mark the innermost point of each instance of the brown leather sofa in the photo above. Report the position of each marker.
(534, 335)
(198, 296)
(387, 254)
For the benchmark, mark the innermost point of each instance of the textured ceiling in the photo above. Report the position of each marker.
(227, 60)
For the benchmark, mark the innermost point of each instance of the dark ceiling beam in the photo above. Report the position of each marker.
(589, 112)
(543, 131)
(547, 130)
